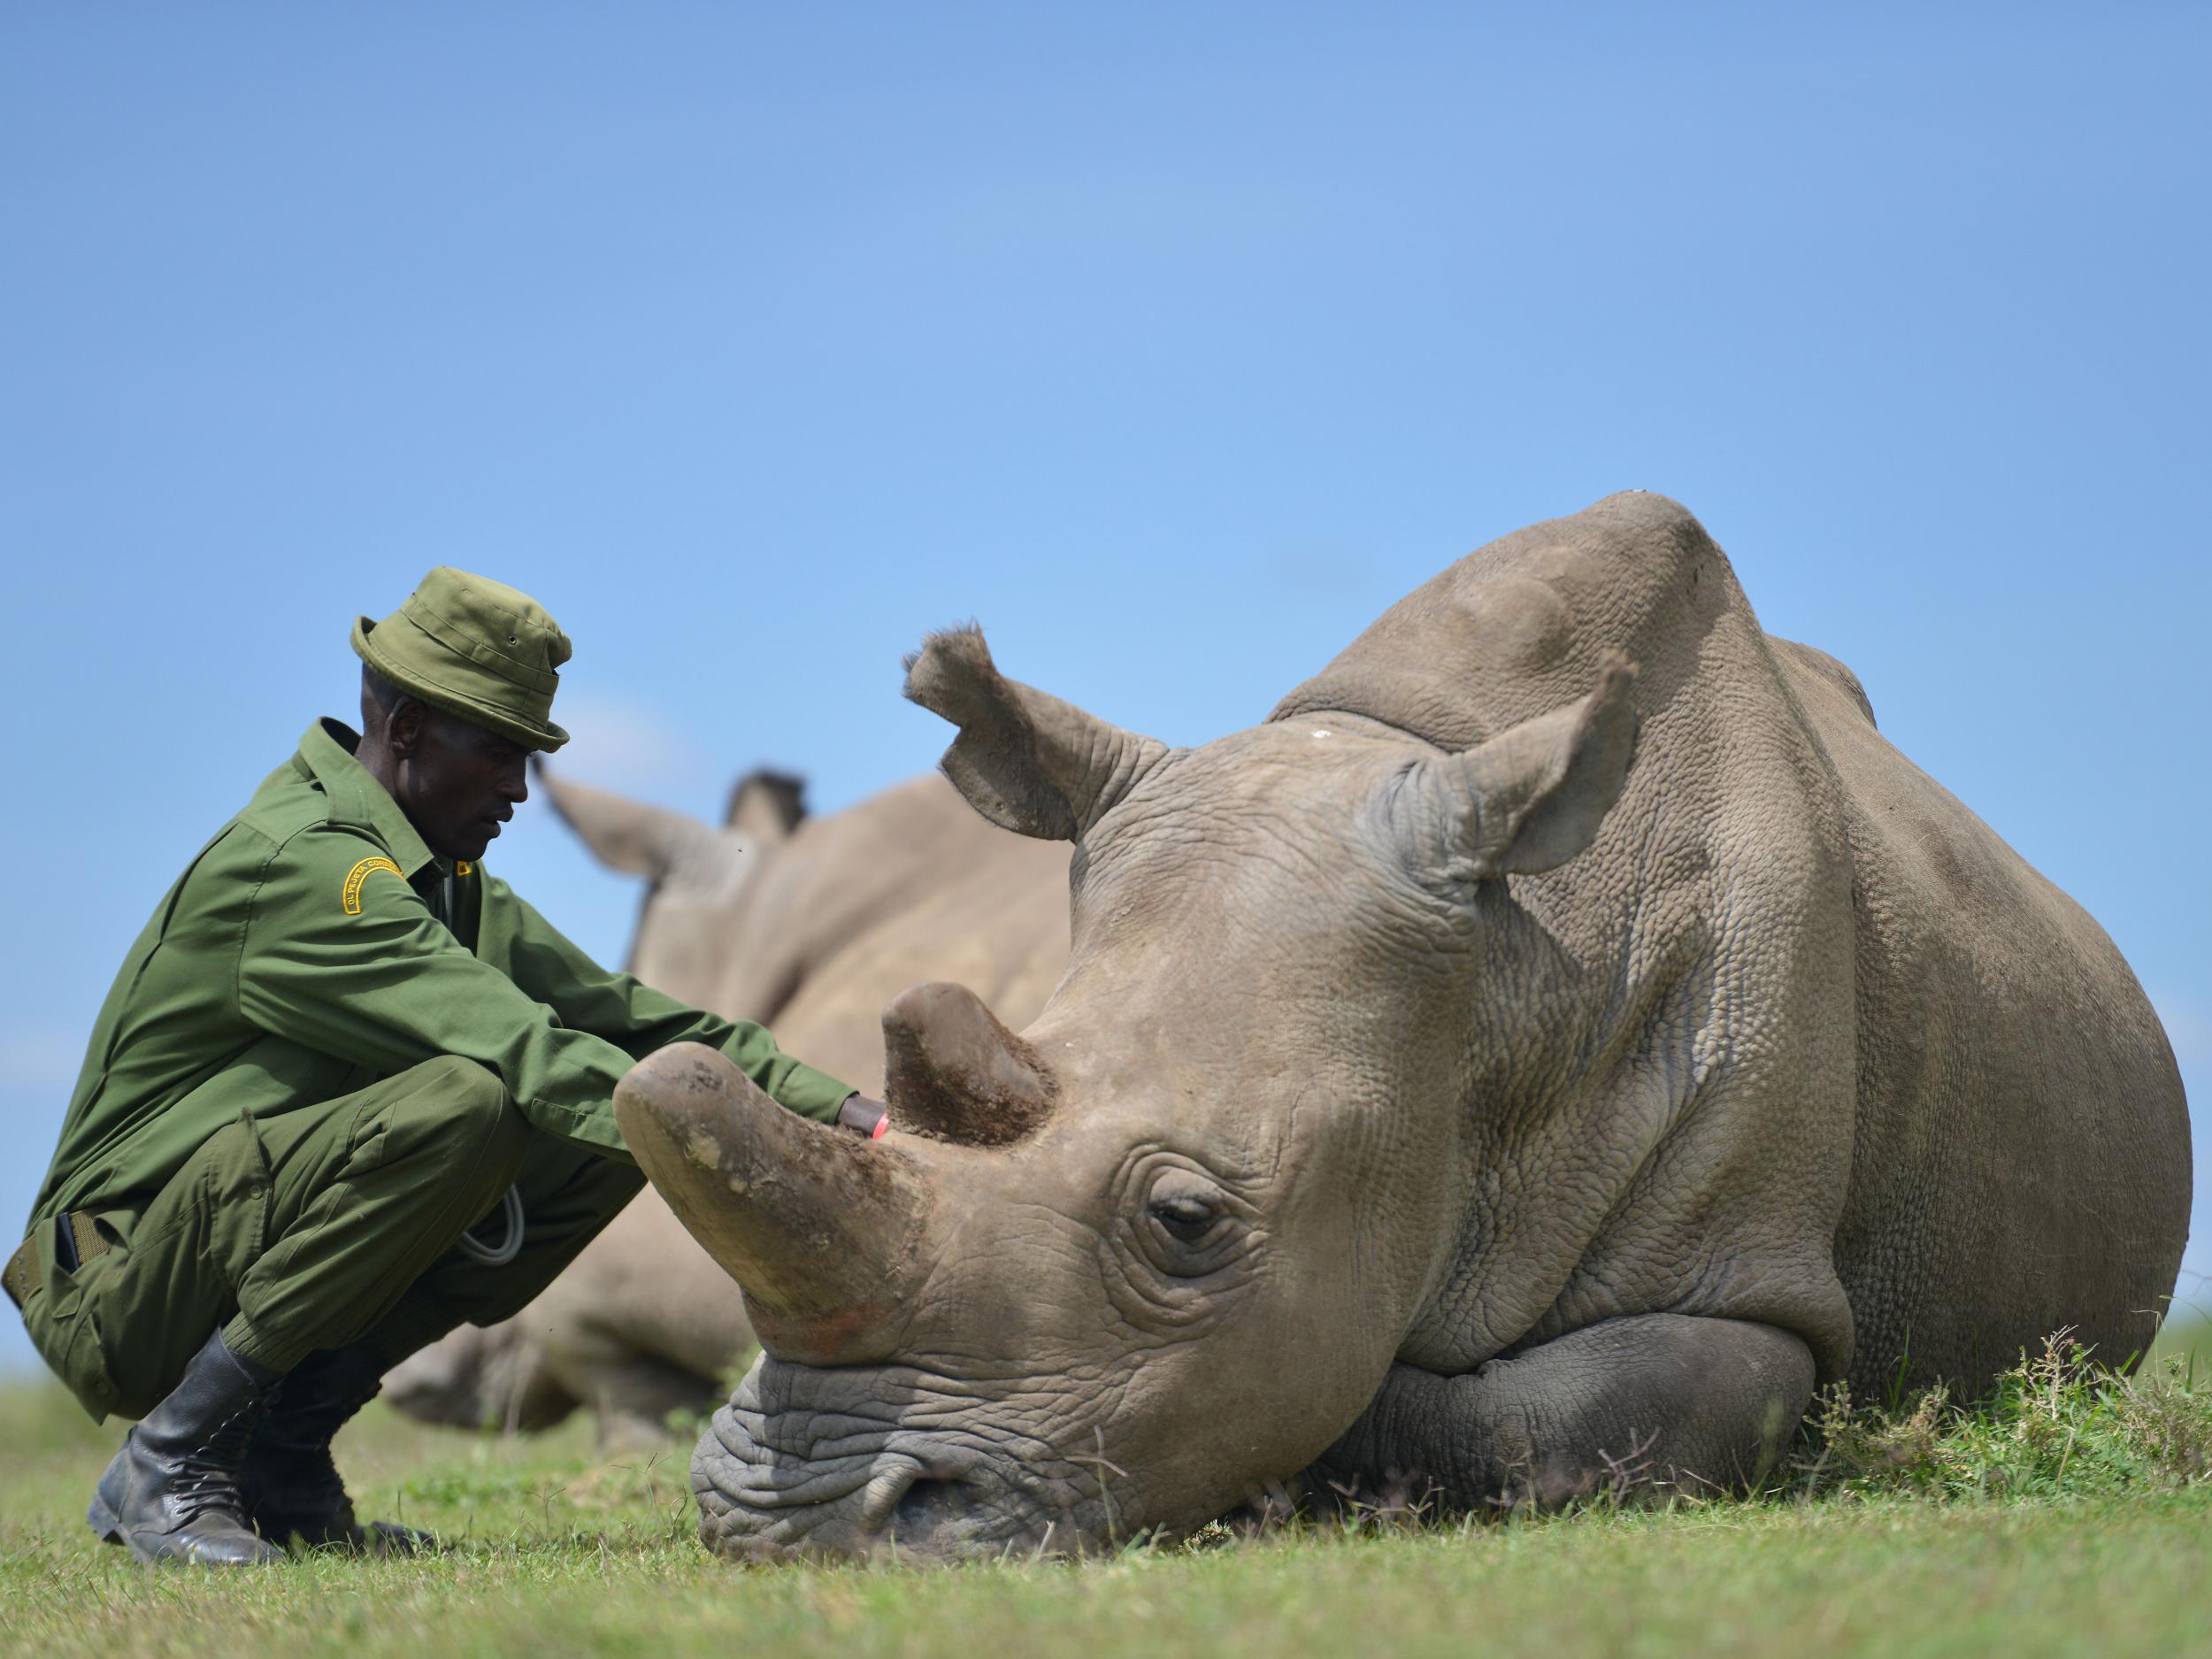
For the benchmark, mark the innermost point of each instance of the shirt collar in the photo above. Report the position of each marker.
(357, 800)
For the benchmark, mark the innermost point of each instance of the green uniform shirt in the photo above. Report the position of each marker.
(314, 946)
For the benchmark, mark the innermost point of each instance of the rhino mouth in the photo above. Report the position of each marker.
(863, 1461)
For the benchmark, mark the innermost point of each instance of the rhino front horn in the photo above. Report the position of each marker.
(952, 1071)
(821, 1228)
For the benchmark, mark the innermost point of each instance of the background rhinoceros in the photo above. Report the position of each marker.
(1565, 1033)
(809, 926)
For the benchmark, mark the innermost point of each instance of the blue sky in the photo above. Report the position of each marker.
(1174, 342)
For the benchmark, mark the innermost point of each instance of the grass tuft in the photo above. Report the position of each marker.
(2058, 1425)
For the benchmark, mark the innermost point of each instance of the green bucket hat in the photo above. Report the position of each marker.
(474, 647)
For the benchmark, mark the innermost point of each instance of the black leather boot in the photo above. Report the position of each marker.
(171, 1492)
(291, 1482)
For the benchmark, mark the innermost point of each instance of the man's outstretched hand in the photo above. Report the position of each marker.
(865, 1117)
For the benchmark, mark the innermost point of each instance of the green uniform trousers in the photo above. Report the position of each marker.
(324, 1227)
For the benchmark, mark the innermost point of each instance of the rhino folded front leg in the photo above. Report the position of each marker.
(1634, 1407)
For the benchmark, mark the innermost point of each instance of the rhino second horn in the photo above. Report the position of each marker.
(821, 1228)
(952, 1071)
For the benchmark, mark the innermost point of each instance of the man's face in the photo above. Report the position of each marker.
(457, 783)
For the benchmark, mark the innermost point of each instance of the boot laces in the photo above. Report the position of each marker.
(212, 1468)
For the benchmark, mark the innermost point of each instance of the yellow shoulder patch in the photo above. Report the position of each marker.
(359, 873)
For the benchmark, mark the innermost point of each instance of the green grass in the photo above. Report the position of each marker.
(2070, 1515)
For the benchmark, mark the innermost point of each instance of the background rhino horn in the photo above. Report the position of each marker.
(765, 805)
(951, 1070)
(820, 1227)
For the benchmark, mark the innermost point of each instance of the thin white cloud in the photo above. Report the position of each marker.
(622, 744)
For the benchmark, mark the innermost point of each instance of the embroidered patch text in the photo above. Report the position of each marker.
(359, 873)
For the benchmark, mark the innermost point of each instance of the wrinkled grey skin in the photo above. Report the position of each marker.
(809, 925)
(1499, 1068)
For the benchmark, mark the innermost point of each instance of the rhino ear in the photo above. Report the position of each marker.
(628, 835)
(1533, 796)
(766, 806)
(1026, 761)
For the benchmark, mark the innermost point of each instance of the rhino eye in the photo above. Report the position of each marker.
(1187, 1225)
(1186, 1218)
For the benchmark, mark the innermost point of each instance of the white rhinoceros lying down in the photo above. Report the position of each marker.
(1502, 1061)
(809, 925)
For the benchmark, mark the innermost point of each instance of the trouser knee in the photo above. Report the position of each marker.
(569, 1195)
(424, 1155)
(463, 1112)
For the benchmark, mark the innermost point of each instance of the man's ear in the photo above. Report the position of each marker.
(1534, 795)
(628, 836)
(404, 725)
(1026, 761)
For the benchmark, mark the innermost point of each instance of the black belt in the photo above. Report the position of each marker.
(76, 1242)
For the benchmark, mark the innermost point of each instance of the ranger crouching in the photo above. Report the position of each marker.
(338, 1046)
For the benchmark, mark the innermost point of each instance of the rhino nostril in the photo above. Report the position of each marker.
(905, 1501)
(884, 1492)
(925, 1505)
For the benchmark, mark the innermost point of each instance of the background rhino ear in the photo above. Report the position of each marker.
(766, 806)
(1539, 790)
(1026, 761)
(623, 835)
